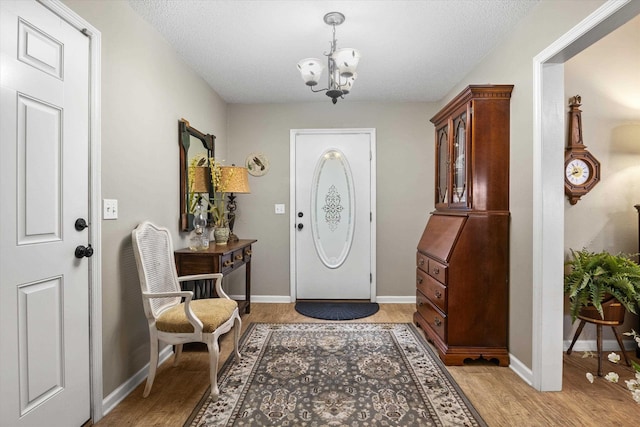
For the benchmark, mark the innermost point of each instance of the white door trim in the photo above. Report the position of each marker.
(292, 201)
(95, 196)
(548, 189)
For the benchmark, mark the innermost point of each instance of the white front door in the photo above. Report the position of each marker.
(333, 214)
(44, 158)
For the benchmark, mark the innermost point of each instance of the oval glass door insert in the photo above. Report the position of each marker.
(332, 208)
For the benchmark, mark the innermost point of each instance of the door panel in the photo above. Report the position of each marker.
(44, 176)
(333, 215)
(38, 171)
(41, 342)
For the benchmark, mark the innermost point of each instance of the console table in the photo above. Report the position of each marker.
(219, 259)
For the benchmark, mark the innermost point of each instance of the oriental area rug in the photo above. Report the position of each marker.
(335, 374)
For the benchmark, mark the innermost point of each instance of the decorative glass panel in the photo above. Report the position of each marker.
(332, 208)
(443, 160)
(459, 189)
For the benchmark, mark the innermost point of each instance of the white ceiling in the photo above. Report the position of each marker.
(411, 50)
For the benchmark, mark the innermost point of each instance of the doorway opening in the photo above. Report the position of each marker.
(548, 194)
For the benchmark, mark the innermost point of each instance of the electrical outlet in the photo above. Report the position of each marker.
(280, 208)
(109, 209)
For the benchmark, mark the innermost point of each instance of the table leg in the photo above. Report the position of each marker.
(247, 291)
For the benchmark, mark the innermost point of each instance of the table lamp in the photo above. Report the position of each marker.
(234, 179)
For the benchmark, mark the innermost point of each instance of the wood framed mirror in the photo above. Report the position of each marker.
(192, 143)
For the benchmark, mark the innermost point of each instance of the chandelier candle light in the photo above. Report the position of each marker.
(341, 64)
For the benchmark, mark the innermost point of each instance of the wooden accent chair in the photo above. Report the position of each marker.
(613, 316)
(173, 316)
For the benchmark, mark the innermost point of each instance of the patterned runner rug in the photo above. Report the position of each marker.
(335, 374)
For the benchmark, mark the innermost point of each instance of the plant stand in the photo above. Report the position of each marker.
(614, 316)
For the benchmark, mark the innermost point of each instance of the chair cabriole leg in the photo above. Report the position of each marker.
(178, 353)
(214, 351)
(237, 327)
(153, 364)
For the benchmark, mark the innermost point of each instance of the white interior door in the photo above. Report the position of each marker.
(333, 214)
(44, 288)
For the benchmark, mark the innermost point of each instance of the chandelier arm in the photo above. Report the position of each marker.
(319, 90)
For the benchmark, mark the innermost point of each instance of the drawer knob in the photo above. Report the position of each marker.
(248, 252)
(436, 270)
(419, 280)
(421, 261)
(239, 257)
(437, 321)
(438, 294)
(227, 263)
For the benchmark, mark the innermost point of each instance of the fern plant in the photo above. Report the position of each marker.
(593, 277)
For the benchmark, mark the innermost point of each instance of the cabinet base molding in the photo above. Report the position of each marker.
(457, 356)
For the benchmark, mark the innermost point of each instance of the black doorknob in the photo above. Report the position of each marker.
(81, 224)
(300, 226)
(82, 251)
(300, 214)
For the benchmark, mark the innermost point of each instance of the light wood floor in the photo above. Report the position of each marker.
(499, 395)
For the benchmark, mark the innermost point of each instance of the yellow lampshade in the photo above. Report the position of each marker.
(201, 179)
(234, 179)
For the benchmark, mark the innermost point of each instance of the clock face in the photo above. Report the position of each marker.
(577, 171)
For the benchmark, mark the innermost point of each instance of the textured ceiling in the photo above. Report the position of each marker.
(411, 50)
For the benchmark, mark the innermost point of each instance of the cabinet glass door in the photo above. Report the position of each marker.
(442, 173)
(459, 156)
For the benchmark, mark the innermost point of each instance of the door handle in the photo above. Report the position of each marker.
(82, 251)
(300, 226)
(80, 224)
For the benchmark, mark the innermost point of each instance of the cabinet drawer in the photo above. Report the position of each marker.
(247, 253)
(238, 258)
(422, 262)
(226, 263)
(436, 320)
(438, 271)
(186, 265)
(432, 289)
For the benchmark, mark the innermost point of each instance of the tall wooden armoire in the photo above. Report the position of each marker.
(462, 274)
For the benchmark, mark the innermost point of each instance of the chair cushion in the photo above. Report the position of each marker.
(212, 312)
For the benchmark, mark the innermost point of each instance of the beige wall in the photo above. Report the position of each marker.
(511, 62)
(606, 76)
(404, 183)
(146, 89)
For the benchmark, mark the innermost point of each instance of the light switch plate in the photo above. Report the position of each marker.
(109, 209)
(280, 208)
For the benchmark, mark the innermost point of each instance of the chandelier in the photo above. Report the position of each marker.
(341, 65)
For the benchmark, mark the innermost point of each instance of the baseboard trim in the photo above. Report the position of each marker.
(521, 369)
(279, 299)
(272, 299)
(119, 394)
(591, 345)
(411, 299)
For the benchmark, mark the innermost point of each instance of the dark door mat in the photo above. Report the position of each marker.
(336, 310)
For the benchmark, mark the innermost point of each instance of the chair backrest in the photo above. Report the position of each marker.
(153, 251)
